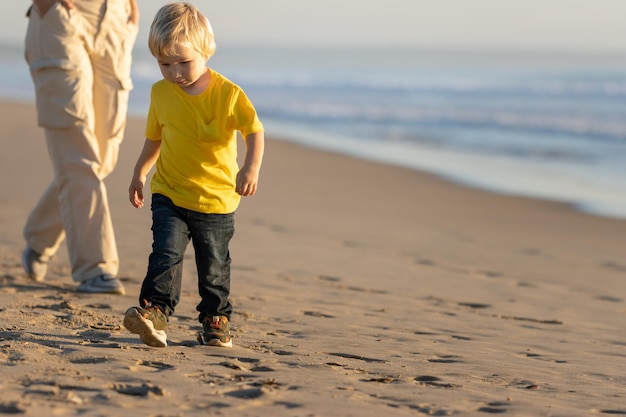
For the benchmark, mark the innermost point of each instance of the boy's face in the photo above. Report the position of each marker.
(183, 68)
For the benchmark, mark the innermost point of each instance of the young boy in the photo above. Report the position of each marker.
(191, 135)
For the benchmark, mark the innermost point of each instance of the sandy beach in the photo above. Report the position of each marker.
(359, 289)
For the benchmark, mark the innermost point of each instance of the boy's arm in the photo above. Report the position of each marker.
(145, 162)
(248, 176)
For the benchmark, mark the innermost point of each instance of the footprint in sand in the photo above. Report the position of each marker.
(357, 357)
(434, 381)
(524, 384)
(152, 366)
(317, 314)
(495, 407)
(89, 360)
(614, 266)
(143, 390)
(530, 319)
(383, 379)
(350, 287)
(431, 410)
(256, 390)
(12, 408)
(609, 298)
(446, 359)
(474, 305)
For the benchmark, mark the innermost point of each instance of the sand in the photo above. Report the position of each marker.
(359, 290)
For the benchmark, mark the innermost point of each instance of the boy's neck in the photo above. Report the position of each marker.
(200, 85)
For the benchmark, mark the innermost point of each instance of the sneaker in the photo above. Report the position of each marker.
(34, 265)
(216, 332)
(149, 323)
(102, 284)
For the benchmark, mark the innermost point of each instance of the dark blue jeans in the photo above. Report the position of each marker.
(172, 229)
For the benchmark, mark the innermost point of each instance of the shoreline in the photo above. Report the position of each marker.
(359, 289)
(515, 178)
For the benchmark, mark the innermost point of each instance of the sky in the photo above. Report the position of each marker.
(566, 25)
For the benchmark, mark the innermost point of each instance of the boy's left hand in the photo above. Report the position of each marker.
(247, 180)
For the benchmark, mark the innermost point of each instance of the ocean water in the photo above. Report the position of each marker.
(546, 125)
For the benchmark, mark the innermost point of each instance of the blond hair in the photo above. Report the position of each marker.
(180, 24)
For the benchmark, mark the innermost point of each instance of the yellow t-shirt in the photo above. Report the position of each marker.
(197, 166)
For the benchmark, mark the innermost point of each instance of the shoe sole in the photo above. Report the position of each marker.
(102, 290)
(31, 275)
(213, 342)
(136, 323)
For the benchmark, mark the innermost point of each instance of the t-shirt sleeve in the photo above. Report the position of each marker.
(153, 127)
(244, 116)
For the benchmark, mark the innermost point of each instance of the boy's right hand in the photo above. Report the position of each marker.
(135, 192)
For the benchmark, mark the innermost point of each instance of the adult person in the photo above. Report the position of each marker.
(79, 55)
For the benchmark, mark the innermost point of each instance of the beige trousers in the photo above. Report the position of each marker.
(80, 65)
